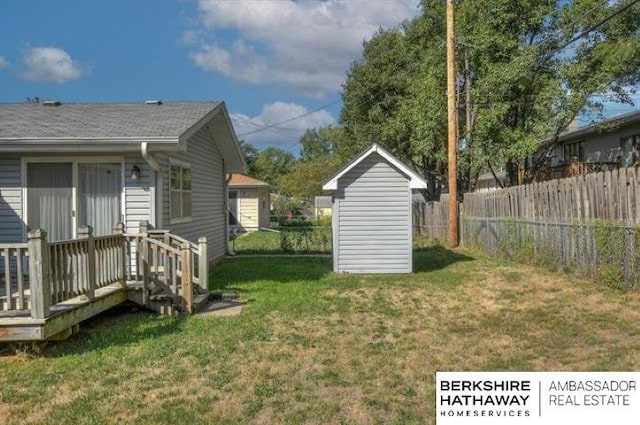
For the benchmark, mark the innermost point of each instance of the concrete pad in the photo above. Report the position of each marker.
(222, 308)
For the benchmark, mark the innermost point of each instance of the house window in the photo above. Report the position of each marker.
(180, 192)
(630, 150)
(573, 150)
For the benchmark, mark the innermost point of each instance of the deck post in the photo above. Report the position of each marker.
(187, 289)
(143, 227)
(86, 232)
(122, 253)
(203, 270)
(144, 259)
(39, 274)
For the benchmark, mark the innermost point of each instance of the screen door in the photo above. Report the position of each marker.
(49, 199)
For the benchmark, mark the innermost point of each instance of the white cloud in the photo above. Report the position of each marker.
(306, 44)
(50, 64)
(3, 62)
(284, 135)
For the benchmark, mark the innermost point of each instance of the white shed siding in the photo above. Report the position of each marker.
(207, 187)
(373, 219)
(138, 198)
(11, 224)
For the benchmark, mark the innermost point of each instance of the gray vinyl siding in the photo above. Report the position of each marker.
(11, 224)
(372, 218)
(138, 197)
(208, 217)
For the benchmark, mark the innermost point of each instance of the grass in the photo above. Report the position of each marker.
(289, 240)
(262, 242)
(315, 347)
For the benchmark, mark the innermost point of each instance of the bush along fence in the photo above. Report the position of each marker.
(305, 239)
(587, 224)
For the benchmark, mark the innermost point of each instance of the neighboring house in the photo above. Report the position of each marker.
(607, 144)
(601, 146)
(323, 206)
(249, 203)
(67, 165)
(372, 214)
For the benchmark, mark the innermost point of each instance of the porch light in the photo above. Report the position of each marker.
(135, 172)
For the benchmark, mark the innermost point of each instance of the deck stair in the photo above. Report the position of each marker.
(47, 288)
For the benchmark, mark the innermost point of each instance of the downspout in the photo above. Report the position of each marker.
(226, 179)
(157, 207)
(144, 149)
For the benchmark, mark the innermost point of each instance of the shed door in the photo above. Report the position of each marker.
(50, 199)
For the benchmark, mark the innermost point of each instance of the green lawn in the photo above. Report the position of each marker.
(314, 347)
(287, 240)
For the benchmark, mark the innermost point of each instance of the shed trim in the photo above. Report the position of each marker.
(415, 180)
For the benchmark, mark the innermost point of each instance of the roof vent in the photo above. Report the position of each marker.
(153, 102)
(51, 103)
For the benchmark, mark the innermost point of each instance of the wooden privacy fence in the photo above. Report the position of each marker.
(431, 219)
(588, 223)
(40, 274)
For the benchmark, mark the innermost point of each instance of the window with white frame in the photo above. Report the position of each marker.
(180, 200)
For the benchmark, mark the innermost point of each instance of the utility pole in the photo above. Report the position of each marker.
(453, 128)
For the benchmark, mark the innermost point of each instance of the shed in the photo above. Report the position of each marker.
(249, 203)
(372, 220)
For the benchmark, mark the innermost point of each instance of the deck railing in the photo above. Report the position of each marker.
(60, 271)
(13, 263)
(199, 264)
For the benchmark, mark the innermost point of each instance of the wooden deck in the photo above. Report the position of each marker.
(71, 281)
(20, 326)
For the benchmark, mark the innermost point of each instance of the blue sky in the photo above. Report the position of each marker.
(268, 60)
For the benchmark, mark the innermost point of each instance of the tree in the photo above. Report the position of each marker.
(394, 96)
(271, 163)
(528, 81)
(250, 154)
(305, 179)
(319, 142)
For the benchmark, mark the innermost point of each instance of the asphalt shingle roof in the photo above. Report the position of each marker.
(238, 179)
(100, 120)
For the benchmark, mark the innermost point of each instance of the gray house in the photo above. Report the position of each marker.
(67, 165)
(372, 228)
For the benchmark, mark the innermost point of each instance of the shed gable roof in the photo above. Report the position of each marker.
(415, 180)
(242, 180)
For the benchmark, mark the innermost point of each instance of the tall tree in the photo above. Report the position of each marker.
(272, 163)
(319, 142)
(305, 179)
(250, 154)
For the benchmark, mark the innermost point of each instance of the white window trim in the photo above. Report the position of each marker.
(181, 164)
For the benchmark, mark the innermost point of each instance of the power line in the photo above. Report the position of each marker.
(266, 127)
(597, 25)
(256, 124)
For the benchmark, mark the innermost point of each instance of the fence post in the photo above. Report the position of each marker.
(86, 232)
(203, 269)
(121, 262)
(40, 283)
(187, 289)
